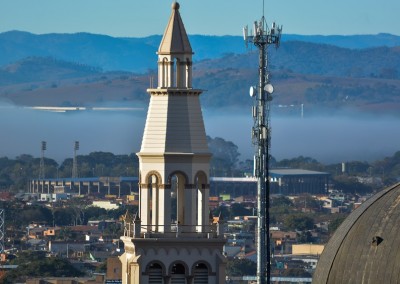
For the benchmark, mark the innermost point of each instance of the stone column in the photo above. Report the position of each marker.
(203, 194)
(190, 214)
(164, 203)
(155, 207)
(144, 204)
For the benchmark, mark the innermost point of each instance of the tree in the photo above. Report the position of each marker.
(280, 207)
(117, 213)
(305, 237)
(35, 264)
(32, 214)
(298, 222)
(94, 213)
(295, 272)
(113, 231)
(238, 209)
(281, 201)
(335, 223)
(66, 234)
(388, 168)
(357, 168)
(63, 216)
(350, 184)
(222, 211)
(224, 156)
(301, 163)
(307, 201)
(246, 167)
(241, 267)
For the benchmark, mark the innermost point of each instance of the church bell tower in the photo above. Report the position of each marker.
(173, 238)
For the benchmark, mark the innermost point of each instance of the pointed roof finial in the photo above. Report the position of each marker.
(175, 39)
(175, 6)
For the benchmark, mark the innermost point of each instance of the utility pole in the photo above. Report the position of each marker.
(41, 166)
(262, 36)
(75, 161)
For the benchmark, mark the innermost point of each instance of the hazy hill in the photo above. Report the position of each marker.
(100, 51)
(108, 53)
(64, 70)
(138, 54)
(320, 59)
(47, 81)
(226, 86)
(348, 41)
(36, 69)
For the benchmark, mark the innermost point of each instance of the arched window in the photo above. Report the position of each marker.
(178, 274)
(188, 74)
(149, 210)
(177, 72)
(155, 274)
(174, 199)
(178, 181)
(200, 273)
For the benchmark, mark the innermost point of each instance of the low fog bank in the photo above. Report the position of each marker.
(329, 139)
(22, 131)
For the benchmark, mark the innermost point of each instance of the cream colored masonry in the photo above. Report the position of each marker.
(174, 123)
(174, 156)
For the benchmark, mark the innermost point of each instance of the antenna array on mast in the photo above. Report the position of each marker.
(262, 36)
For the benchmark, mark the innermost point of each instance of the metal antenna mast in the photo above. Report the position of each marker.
(261, 37)
(75, 161)
(41, 166)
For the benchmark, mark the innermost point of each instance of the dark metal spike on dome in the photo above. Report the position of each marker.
(376, 241)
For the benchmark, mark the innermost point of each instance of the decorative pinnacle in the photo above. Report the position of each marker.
(175, 6)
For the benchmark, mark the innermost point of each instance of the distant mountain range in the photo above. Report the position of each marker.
(138, 54)
(328, 72)
(348, 41)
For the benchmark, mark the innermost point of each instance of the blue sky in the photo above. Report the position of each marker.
(212, 17)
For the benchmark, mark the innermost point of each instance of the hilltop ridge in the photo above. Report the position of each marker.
(85, 69)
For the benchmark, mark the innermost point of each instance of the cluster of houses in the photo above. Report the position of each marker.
(86, 247)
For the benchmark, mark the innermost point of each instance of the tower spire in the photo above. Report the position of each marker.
(175, 39)
(174, 240)
(175, 54)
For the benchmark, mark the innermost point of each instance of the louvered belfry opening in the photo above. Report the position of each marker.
(178, 274)
(155, 274)
(200, 274)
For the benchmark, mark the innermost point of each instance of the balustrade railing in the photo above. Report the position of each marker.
(138, 230)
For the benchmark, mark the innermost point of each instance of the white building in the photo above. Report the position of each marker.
(53, 197)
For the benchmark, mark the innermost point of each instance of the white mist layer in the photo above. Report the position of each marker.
(328, 139)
